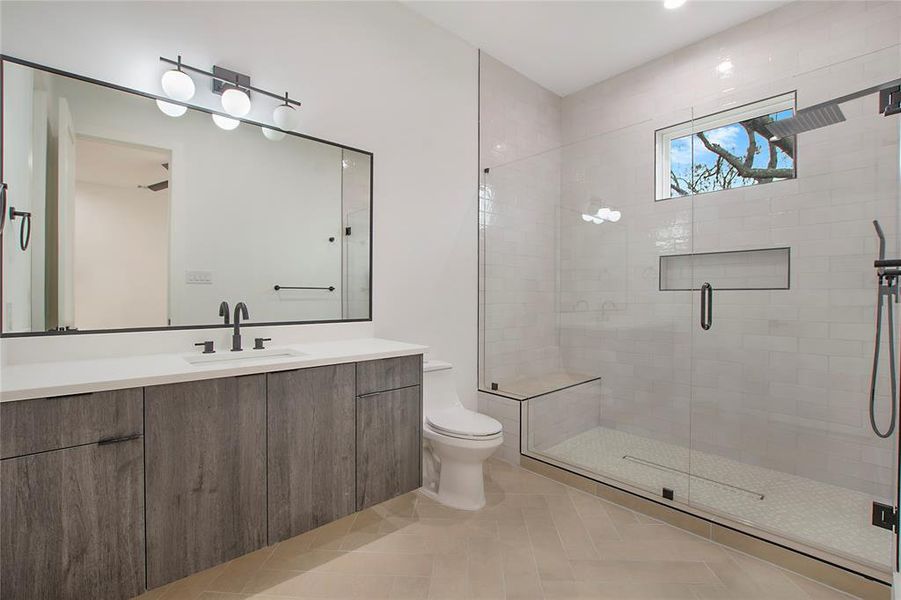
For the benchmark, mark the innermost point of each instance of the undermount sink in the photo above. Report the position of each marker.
(245, 355)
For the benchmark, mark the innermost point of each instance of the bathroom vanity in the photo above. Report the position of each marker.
(109, 492)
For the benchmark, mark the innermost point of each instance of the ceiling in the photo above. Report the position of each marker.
(566, 46)
(117, 164)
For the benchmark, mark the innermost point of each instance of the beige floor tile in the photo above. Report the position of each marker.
(449, 588)
(534, 539)
(585, 590)
(384, 542)
(649, 571)
(550, 557)
(523, 587)
(410, 588)
(237, 572)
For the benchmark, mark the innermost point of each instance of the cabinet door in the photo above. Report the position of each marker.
(72, 523)
(206, 474)
(389, 447)
(311, 448)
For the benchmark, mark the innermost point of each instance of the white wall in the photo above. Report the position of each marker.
(121, 270)
(371, 75)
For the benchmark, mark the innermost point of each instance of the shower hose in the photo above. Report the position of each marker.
(891, 291)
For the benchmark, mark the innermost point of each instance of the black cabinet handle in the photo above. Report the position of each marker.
(117, 440)
(706, 306)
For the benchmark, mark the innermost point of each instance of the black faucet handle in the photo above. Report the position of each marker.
(223, 311)
(258, 343)
(207, 346)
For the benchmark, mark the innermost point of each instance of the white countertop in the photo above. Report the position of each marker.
(39, 380)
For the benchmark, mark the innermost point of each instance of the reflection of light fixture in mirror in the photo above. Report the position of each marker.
(346, 163)
(177, 84)
(595, 213)
(273, 135)
(285, 116)
(172, 110)
(235, 101)
(225, 123)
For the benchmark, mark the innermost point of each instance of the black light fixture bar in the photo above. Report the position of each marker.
(283, 98)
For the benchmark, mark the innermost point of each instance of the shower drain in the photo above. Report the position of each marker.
(729, 487)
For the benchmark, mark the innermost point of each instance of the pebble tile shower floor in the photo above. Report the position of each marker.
(831, 517)
(535, 538)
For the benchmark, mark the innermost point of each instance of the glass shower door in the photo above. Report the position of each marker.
(781, 438)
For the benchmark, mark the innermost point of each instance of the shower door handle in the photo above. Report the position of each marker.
(706, 306)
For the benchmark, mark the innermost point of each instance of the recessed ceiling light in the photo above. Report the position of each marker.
(671, 4)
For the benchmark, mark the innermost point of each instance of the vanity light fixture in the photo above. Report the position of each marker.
(273, 135)
(170, 109)
(673, 4)
(235, 90)
(235, 101)
(226, 123)
(596, 214)
(177, 84)
(285, 116)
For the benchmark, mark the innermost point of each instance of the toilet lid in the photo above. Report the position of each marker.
(461, 421)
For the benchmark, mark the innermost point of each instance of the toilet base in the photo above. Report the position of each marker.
(460, 476)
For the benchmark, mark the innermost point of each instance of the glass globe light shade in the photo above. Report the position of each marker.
(172, 110)
(273, 135)
(178, 85)
(225, 123)
(235, 102)
(285, 116)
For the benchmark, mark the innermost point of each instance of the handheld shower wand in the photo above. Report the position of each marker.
(887, 288)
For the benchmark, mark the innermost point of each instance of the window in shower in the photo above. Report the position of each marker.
(729, 149)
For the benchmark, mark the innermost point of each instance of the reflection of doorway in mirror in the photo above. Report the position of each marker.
(120, 239)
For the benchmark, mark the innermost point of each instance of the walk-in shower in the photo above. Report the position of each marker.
(714, 345)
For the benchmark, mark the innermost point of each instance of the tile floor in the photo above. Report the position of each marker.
(536, 538)
(776, 501)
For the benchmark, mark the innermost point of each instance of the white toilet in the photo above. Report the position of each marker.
(456, 441)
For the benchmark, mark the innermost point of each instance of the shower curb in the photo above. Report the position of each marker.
(835, 576)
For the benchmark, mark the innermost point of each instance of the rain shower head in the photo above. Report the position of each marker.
(807, 119)
(828, 113)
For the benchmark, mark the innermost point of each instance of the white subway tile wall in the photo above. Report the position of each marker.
(519, 144)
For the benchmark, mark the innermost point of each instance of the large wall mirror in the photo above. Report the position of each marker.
(127, 218)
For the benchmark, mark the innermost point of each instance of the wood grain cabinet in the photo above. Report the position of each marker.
(72, 501)
(311, 448)
(103, 493)
(389, 429)
(206, 474)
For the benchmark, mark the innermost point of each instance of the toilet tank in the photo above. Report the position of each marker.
(439, 388)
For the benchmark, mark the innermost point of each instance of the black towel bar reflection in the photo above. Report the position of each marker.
(277, 287)
(24, 228)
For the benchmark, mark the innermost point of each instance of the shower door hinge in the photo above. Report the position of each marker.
(885, 516)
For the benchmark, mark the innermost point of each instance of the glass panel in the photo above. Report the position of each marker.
(597, 253)
(780, 429)
(519, 213)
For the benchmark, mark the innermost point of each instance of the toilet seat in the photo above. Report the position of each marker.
(459, 422)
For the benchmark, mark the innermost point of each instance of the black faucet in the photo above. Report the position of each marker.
(240, 312)
(223, 311)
